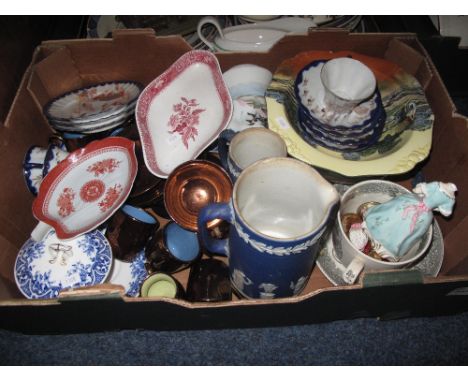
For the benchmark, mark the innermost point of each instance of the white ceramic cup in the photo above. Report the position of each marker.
(347, 82)
(354, 260)
(237, 151)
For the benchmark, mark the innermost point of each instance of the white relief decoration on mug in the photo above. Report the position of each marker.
(277, 251)
(299, 284)
(268, 290)
(232, 169)
(239, 279)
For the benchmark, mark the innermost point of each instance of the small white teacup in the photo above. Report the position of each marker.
(347, 82)
(353, 259)
(237, 151)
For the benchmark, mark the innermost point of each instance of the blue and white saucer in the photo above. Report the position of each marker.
(44, 268)
(129, 275)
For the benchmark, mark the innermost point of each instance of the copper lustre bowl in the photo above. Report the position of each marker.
(193, 185)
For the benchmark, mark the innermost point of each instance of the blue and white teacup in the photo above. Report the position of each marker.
(239, 150)
(279, 210)
(55, 154)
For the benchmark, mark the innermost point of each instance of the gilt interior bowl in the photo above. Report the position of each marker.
(191, 186)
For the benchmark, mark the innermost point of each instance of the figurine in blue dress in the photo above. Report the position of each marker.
(395, 226)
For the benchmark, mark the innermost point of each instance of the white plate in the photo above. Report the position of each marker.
(95, 127)
(129, 275)
(44, 268)
(99, 120)
(182, 111)
(93, 102)
(428, 265)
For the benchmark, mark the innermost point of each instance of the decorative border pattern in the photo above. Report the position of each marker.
(277, 251)
(138, 273)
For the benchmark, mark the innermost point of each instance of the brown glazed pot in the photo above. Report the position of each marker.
(128, 234)
(209, 281)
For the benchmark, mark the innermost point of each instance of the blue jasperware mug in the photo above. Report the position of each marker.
(279, 210)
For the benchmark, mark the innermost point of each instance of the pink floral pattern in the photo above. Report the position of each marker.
(112, 194)
(103, 166)
(185, 119)
(65, 202)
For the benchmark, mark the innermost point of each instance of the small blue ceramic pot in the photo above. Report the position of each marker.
(172, 249)
(239, 150)
(279, 210)
(33, 164)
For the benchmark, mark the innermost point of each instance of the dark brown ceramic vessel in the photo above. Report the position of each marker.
(127, 235)
(209, 281)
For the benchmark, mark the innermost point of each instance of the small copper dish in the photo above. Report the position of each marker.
(191, 186)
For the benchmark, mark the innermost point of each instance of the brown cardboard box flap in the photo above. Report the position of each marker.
(54, 75)
(410, 60)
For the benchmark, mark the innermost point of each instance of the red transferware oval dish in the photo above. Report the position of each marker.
(87, 187)
(182, 111)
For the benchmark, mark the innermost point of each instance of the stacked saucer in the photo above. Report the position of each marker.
(354, 130)
(93, 109)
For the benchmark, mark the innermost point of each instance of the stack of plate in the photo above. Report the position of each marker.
(93, 109)
(352, 131)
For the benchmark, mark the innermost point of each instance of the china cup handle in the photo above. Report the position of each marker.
(208, 213)
(40, 231)
(223, 146)
(208, 20)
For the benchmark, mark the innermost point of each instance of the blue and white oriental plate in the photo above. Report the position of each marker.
(130, 275)
(44, 268)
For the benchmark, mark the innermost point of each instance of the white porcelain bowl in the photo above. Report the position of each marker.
(356, 261)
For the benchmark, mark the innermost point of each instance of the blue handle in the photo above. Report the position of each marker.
(208, 213)
(223, 146)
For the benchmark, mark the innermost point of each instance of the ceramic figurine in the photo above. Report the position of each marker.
(394, 227)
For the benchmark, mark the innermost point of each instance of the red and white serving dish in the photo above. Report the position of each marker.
(182, 111)
(87, 187)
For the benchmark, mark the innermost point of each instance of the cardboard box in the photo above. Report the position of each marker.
(59, 66)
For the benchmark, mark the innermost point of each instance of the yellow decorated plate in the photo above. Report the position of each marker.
(406, 138)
